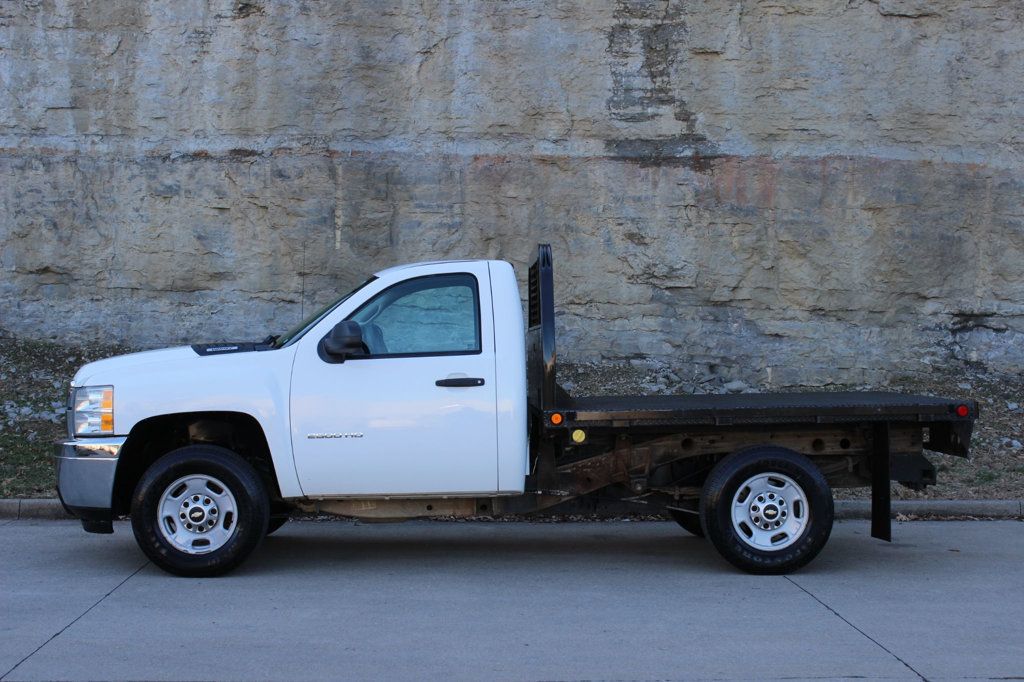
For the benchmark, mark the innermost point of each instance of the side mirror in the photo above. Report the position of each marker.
(345, 340)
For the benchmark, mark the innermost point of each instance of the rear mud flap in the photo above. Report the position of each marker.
(881, 499)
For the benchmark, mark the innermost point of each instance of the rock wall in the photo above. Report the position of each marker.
(784, 192)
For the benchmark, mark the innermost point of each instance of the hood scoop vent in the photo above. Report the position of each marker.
(226, 348)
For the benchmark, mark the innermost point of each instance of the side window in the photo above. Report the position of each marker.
(436, 314)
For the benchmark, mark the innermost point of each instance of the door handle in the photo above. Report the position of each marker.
(460, 382)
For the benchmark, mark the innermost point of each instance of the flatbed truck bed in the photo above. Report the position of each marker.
(818, 407)
(662, 448)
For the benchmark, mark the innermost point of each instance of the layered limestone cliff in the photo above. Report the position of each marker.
(782, 192)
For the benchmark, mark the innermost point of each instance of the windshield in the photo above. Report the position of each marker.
(297, 332)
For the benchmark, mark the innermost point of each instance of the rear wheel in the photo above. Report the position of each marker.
(767, 510)
(199, 511)
(689, 520)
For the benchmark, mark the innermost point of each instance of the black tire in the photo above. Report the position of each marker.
(276, 522)
(721, 488)
(248, 521)
(690, 521)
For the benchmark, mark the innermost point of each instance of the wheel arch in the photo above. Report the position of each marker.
(155, 436)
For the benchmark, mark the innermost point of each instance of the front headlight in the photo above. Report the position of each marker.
(93, 411)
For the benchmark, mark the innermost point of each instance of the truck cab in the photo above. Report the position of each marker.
(425, 396)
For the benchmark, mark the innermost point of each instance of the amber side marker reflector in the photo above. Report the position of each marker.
(962, 410)
(556, 419)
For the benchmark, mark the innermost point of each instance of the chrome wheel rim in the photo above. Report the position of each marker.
(770, 512)
(197, 514)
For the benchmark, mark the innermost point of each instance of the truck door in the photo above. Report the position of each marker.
(418, 414)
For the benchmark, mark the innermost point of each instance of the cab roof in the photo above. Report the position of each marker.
(406, 266)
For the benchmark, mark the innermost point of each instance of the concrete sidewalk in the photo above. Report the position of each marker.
(50, 508)
(524, 601)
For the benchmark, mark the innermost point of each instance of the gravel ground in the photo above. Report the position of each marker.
(35, 375)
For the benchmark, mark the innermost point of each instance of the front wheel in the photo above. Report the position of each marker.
(767, 510)
(199, 511)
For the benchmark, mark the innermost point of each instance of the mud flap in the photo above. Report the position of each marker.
(881, 500)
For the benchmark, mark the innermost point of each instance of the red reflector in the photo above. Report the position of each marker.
(962, 410)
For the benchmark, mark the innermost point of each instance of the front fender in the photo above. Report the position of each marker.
(254, 383)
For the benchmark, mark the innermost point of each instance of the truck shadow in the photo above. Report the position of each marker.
(424, 547)
(288, 551)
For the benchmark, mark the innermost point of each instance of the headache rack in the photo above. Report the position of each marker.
(543, 391)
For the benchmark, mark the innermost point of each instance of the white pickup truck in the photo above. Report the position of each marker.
(417, 395)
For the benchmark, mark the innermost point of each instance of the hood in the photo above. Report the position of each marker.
(106, 371)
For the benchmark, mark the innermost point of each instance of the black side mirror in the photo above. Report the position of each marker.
(345, 340)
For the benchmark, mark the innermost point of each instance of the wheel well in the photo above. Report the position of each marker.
(693, 472)
(152, 438)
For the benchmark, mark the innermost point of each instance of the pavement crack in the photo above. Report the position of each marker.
(77, 618)
(840, 617)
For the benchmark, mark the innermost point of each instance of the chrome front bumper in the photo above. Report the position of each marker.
(85, 473)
